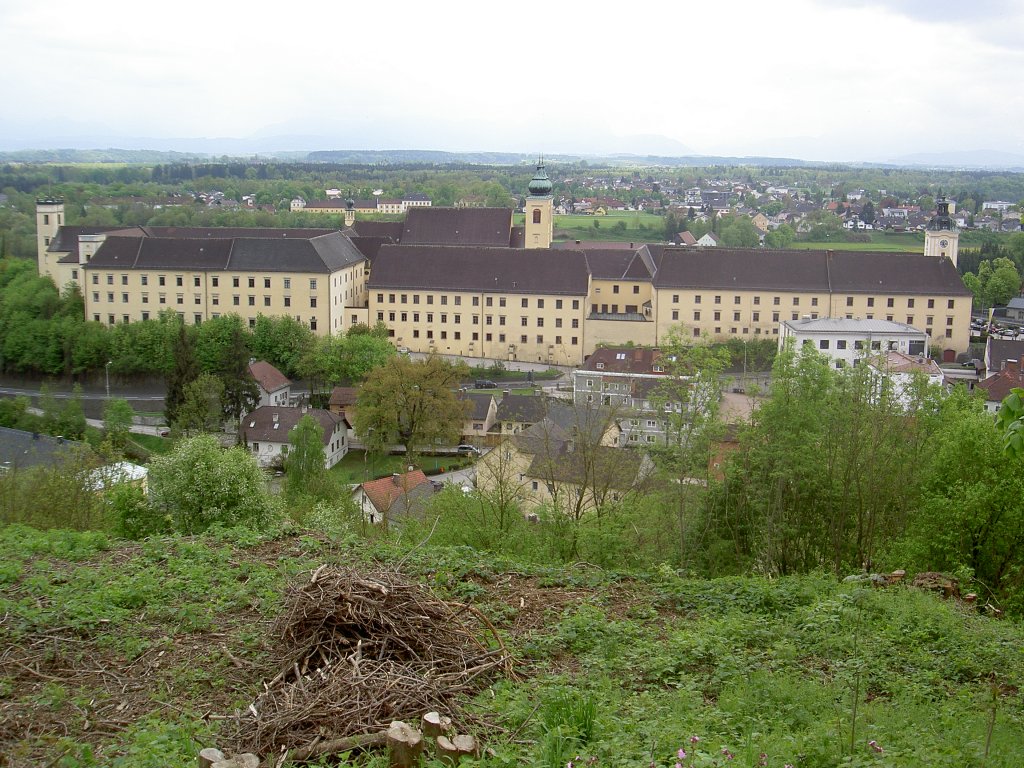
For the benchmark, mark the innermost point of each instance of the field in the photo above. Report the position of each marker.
(880, 241)
(136, 655)
(632, 226)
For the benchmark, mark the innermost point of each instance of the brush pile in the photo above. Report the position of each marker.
(360, 650)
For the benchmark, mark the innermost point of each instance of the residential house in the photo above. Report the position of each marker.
(274, 387)
(760, 222)
(482, 413)
(1000, 353)
(119, 473)
(20, 449)
(388, 499)
(549, 465)
(708, 240)
(999, 384)
(1015, 308)
(686, 238)
(901, 374)
(342, 402)
(517, 413)
(265, 430)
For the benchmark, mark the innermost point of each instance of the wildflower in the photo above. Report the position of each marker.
(874, 745)
(681, 754)
(762, 759)
(728, 755)
(694, 739)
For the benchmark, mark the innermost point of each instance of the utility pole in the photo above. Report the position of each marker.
(107, 370)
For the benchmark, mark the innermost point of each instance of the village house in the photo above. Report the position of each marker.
(264, 432)
(274, 387)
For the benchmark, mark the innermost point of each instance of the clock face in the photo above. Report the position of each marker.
(943, 243)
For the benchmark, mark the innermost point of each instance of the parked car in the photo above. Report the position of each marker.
(485, 384)
(467, 450)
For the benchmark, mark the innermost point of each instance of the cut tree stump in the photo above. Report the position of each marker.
(451, 751)
(405, 745)
(209, 756)
(245, 760)
(433, 724)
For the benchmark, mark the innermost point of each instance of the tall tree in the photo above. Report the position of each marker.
(305, 465)
(201, 410)
(240, 393)
(117, 422)
(185, 371)
(411, 403)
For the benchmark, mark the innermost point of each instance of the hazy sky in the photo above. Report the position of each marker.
(817, 80)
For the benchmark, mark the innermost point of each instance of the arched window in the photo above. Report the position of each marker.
(536, 215)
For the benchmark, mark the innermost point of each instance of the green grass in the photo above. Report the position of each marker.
(617, 225)
(354, 468)
(624, 668)
(153, 443)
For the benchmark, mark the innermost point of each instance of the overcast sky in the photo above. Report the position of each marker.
(816, 80)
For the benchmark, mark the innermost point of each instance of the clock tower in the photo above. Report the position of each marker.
(941, 235)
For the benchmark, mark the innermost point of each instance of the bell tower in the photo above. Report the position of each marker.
(539, 210)
(941, 234)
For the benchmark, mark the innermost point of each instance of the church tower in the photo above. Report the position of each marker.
(941, 235)
(49, 218)
(539, 210)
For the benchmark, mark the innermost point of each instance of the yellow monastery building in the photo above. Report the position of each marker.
(466, 281)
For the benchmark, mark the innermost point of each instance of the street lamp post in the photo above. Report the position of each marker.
(107, 371)
(366, 453)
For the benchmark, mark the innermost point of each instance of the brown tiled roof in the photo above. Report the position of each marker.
(326, 252)
(260, 425)
(268, 377)
(898, 362)
(342, 396)
(636, 360)
(807, 271)
(490, 270)
(383, 493)
(283, 233)
(998, 385)
(458, 226)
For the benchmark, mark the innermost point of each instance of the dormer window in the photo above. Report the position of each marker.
(658, 369)
(620, 355)
(600, 366)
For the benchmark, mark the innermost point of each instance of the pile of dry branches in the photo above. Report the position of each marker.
(360, 650)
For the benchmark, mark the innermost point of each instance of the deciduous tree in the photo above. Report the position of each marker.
(411, 403)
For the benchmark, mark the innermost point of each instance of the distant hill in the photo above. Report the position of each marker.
(978, 158)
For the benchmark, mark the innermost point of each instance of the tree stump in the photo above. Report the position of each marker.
(433, 724)
(451, 751)
(209, 756)
(405, 745)
(244, 760)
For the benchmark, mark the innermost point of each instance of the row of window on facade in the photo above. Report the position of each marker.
(457, 319)
(777, 301)
(214, 299)
(197, 281)
(403, 298)
(457, 336)
(755, 317)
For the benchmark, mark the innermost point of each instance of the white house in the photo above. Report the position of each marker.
(265, 430)
(847, 341)
(274, 386)
(899, 371)
(709, 240)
